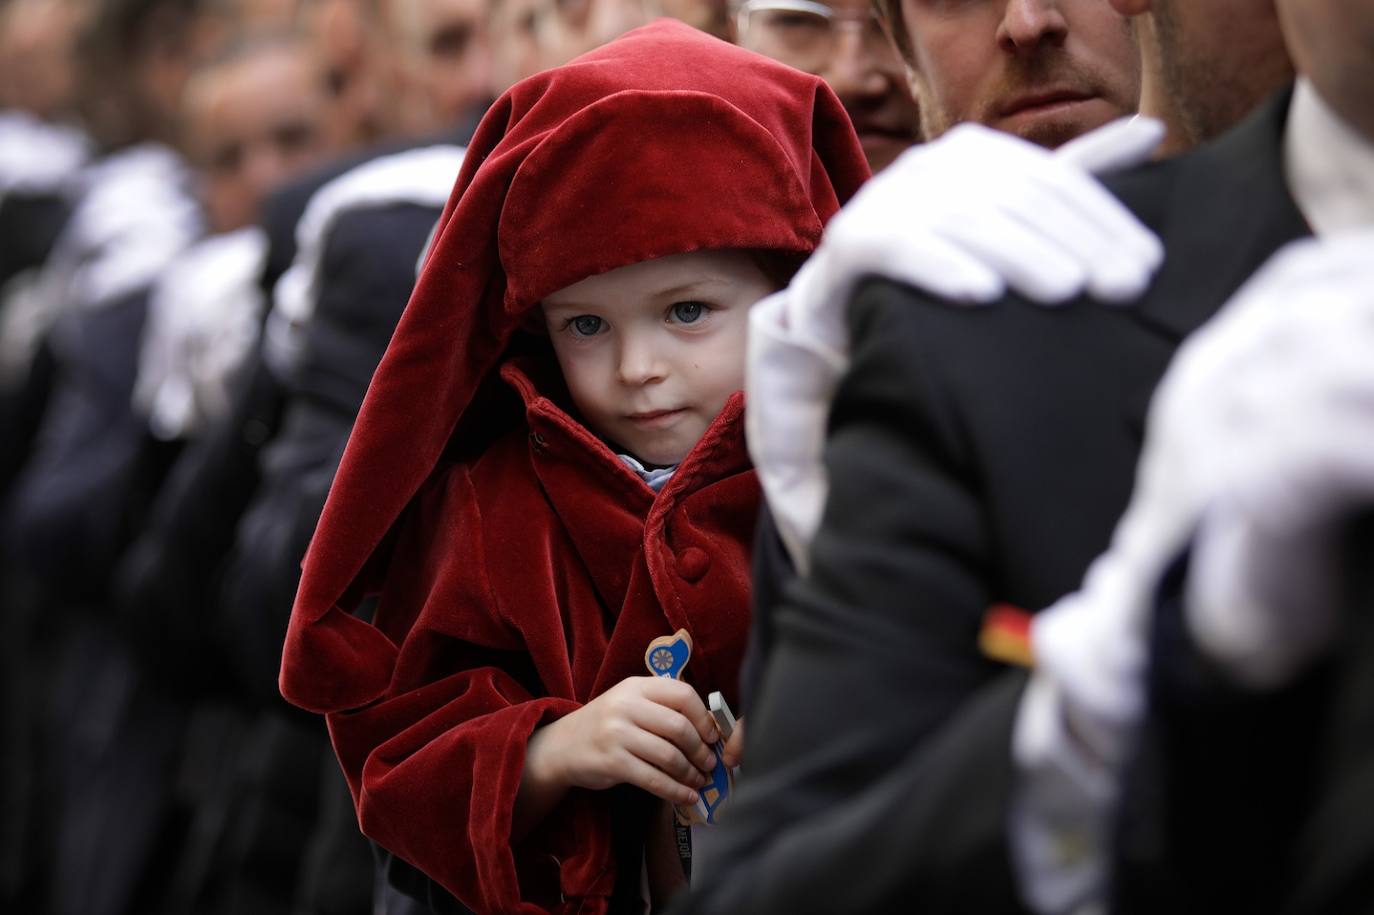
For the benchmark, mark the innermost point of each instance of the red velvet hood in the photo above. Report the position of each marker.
(662, 142)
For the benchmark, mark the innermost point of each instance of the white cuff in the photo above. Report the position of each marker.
(1061, 810)
(789, 383)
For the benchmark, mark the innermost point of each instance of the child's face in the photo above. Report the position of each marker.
(651, 352)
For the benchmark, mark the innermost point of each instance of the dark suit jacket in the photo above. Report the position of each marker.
(976, 455)
(1256, 801)
(368, 271)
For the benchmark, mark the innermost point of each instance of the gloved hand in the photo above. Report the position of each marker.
(965, 217)
(1261, 596)
(1262, 431)
(1261, 420)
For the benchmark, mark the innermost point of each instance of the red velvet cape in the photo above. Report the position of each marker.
(521, 582)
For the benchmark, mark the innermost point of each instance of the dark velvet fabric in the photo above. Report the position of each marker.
(531, 568)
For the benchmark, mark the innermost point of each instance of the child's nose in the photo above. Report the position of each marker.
(639, 363)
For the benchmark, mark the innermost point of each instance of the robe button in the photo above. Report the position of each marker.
(692, 564)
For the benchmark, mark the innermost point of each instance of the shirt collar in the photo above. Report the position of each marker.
(1330, 166)
(654, 478)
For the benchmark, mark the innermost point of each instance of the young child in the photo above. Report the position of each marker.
(549, 472)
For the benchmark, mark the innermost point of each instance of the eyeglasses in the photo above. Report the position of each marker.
(805, 34)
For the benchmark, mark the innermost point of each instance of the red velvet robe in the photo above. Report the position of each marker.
(570, 567)
(518, 583)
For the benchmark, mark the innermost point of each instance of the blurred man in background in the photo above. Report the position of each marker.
(442, 61)
(252, 118)
(844, 43)
(1044, 70)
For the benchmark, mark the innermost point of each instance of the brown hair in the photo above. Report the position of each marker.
(890, 15)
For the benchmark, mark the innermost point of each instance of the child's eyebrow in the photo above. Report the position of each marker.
(692, 286)
(683, 289)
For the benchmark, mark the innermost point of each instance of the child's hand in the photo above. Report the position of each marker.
(650, 732)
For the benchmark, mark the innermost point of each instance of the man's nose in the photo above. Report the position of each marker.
(853, 70)
(1027, 24)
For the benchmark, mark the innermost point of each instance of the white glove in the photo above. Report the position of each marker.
(1258, 409)
(965, 217)
(1262, 585)
(1262, 431)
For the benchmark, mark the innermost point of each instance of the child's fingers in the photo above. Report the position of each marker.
(684, 699)
(734, 747)
(641, 774)
(675, 728)
(665, 757)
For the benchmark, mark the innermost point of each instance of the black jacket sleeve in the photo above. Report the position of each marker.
(69, 513)
(850, 768)
(367, 273)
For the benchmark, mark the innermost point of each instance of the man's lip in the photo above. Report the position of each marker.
(1047, 99)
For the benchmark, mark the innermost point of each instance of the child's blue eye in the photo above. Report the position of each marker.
(585, 325)
(688, 312)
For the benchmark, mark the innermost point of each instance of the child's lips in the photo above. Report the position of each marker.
(656, 419)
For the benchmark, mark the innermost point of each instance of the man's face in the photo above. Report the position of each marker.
(1332, 42)
(346, 44)
(519, 32)
(251, 124)
(1045, 70)
(445, 56)
(1220, 59)
(711, 16)
(651, 352)
(849, 50)
(36, 39)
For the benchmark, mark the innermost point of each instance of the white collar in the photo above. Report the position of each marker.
(1330, 166)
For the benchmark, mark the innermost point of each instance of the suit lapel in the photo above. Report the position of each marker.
(1228, 210)
(1221, 211)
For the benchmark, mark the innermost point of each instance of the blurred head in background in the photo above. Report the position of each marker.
(843, 42)
(133, 60)
(441, 60)
(349, 41)
(37, 72)
(400, 68)
(252, 117)
(523, 36)
(711, 16)
(581, 25)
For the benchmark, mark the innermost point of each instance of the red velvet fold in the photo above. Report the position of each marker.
(568, 568)
(519, 584)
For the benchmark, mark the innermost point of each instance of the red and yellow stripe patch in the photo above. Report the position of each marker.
(1005, 635)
